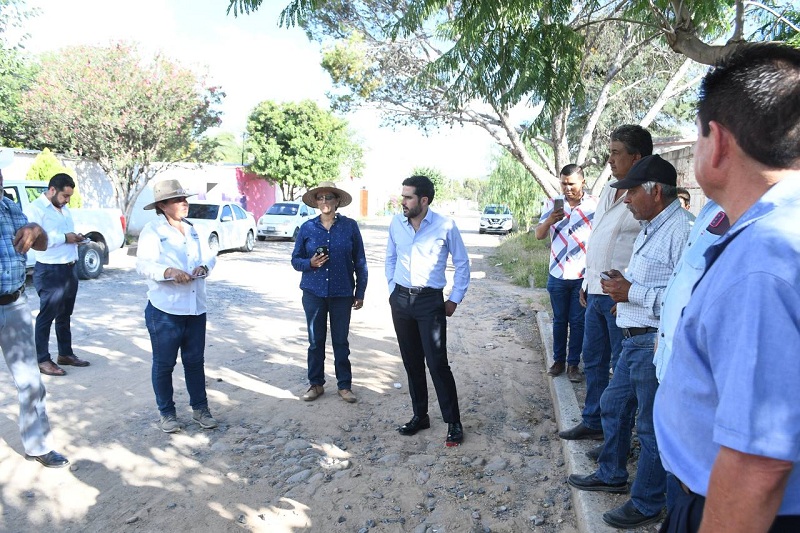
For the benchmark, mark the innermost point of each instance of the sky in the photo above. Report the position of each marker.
(252, 60)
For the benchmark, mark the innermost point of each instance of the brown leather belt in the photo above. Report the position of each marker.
(633, 332)
(12, 297)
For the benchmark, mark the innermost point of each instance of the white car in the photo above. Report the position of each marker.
(496, 219)
(226, 225)
(283, 220)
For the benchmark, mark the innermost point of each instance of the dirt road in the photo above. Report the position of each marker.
(278, 464)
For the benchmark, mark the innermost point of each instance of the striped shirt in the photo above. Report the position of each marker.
(656, 251)
(12, 263)
(569, 236)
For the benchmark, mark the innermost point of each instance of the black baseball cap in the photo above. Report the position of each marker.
(649, 168)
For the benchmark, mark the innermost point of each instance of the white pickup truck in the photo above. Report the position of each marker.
(104, 227)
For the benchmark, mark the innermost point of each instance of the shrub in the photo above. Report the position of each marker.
(522, 256)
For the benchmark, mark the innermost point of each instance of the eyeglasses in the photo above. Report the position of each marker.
(326, 197)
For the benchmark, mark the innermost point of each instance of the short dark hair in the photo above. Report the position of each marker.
(571, 169)
(636, 139)
(61, 180)
(684, 193)
(754, 92)
(423, 186)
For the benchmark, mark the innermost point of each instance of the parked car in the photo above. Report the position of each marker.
(105, 228)
(496, 219)
(227, 226)
(283, 220)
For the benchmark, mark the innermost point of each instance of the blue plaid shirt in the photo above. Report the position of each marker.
(12, 263)
(347, 258)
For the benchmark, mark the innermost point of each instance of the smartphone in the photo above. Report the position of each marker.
(321, 250)
(558, 204)
(605, 275)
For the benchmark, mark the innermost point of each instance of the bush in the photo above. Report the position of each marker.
(523, 257)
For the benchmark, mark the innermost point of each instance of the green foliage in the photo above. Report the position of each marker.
(16, 73)
(45, 166)
(510, 184)
(227, 148)
(298, 145)
(523, 258)
(125, 112)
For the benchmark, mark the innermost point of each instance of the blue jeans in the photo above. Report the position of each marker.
(634, 383)
(317, 310)
(57, 286)
(602, 344)
(168, 334)
(567, 311)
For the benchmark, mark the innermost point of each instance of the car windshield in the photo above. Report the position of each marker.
(203, 211)
(283, 209)
(496, 210)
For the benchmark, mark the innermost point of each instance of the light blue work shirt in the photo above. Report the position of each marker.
(419, 259)
(734, 375)
(710, 224)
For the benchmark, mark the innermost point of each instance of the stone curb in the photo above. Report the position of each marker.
(589, 506)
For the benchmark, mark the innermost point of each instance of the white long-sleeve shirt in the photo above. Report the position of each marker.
(56, 223)
(162, 246)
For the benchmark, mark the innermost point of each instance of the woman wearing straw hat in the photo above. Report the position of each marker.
(329, 252)
(176, 261)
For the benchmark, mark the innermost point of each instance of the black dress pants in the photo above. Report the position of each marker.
(421, 326)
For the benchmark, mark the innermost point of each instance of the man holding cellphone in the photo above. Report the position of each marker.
(567, 219)
(55, 275)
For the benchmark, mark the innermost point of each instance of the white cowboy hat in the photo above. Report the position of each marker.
(310, 198)
(166, 189)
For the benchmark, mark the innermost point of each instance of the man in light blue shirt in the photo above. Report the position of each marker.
(710, 224)
(420, 241)
(727, 414)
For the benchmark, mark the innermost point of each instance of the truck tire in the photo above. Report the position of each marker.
(90, 260)
(213, 243)
(249, 242)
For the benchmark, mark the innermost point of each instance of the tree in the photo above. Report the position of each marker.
(228, 149)
(16, 73)
(132, 116)
(299, 145)
(510, 184)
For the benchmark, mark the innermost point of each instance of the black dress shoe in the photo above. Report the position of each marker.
(455, 434)
(415, 424)
(595, 484)
(557, 368)
(626, 516)
(51, 459)
(581, 432)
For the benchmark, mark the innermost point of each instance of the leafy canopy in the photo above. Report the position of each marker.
(298, 145)
(125, 112)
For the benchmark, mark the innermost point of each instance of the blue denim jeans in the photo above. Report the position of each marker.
(567, 318)
(602, 344)
(168, 334)
(317, 311)
(634, 384)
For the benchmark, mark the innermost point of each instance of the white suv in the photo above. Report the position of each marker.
(283, 220)
(496, 219)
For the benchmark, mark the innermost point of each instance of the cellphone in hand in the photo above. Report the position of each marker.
(558, 204)
(321, 250)
(604, 275)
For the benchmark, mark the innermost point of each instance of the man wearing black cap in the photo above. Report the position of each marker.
(652, 199)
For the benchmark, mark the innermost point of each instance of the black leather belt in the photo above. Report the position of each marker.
(58, 264)
(684, 488)
(12, 297)
(417, 290)
(632, 332)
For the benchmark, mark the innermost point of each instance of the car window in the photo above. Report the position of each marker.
(203, 211)
(11, 194)
(226, 211)
(303, 211)
(283, 209)
(239, 212)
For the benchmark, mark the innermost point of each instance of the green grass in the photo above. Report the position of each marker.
(522, 256)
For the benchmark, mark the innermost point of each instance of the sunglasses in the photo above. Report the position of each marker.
(326, 197)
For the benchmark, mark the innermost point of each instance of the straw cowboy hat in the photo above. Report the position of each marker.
(166, 189)
(310, 198)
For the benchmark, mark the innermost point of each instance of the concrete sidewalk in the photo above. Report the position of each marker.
(589, 506)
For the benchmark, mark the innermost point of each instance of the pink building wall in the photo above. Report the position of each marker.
(258, 193)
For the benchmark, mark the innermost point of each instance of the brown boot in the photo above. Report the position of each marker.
(49, 368)
(557, 369)
(574, 374)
